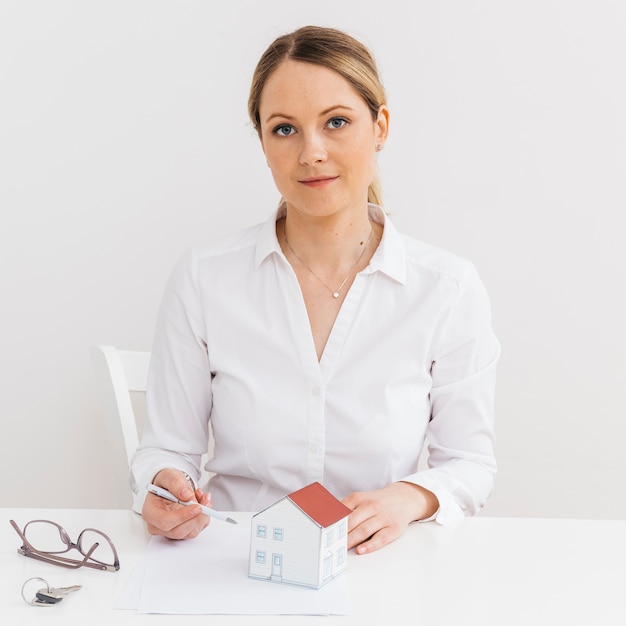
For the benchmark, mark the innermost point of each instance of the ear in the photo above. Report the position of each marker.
(381, 125)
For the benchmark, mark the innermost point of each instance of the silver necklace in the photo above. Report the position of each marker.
(335, 292)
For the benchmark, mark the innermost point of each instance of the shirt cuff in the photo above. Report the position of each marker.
(449, 510)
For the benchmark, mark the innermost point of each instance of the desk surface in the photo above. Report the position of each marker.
(482, 571)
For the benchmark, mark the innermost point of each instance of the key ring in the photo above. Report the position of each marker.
(34, 601)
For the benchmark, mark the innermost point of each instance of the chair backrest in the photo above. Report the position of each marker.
(118, 373)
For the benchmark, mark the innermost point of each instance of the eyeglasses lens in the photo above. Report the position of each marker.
(103, 553)
(47, 537)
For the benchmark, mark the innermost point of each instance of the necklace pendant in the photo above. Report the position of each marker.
(335, 294)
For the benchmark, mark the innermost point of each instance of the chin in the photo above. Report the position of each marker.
(322, 206)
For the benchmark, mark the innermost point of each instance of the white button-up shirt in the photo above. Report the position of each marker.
(411, 356)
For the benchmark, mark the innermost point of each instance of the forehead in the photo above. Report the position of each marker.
(305, 87)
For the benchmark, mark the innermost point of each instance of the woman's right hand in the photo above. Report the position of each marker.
(170, 519)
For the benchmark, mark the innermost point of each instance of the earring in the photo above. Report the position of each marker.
(379, 147)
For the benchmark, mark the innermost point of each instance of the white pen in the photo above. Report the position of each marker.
(164, 493)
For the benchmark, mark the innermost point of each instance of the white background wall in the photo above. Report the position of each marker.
(124, 140)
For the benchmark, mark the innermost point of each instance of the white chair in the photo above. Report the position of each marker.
(118, 373)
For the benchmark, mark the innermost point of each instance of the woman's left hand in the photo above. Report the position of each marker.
(379, 517)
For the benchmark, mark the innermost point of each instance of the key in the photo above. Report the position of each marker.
(53, 595)
(38, 602)
(43, 596)
(65, 591)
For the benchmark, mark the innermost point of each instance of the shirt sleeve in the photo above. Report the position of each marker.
(178, 396)
(460, 434)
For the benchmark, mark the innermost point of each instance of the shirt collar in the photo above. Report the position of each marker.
(389, 258)
(267, 241)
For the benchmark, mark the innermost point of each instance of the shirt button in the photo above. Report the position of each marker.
(316, 391)
(314, 449)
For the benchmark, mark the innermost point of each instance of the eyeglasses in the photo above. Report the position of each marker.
(46, 541)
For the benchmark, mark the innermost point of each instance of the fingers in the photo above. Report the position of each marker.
(370, 525)
(203, 498)
(375, 541)
(381, 516)
(172, 520)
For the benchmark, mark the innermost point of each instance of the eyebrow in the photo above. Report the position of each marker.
(322, 113)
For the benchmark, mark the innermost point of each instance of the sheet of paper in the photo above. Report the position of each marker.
(209, 574)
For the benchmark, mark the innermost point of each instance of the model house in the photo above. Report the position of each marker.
(301, 539)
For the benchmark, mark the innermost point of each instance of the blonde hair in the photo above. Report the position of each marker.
(329, 48)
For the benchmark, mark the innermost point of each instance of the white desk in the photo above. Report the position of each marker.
(500, 571)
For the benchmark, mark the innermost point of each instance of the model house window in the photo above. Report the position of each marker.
(341, 530)
(329, 538)
(341, 556)
(260, 556)
(278, 534)
(261, 531)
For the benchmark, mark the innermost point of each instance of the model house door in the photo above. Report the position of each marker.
(328, 565)
(277, 566)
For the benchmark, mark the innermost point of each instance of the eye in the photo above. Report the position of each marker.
(337, 122)
(284, 130)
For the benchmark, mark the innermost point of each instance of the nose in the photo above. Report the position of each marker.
(313, 150)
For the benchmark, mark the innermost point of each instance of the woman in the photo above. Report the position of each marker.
(321, 345)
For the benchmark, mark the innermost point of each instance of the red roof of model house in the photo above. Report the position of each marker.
(319, 504)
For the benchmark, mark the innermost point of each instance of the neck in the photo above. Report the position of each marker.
(328, 244)
(335, 273)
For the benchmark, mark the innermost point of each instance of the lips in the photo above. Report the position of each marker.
(318, 181)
